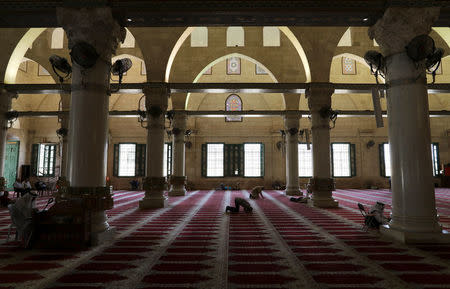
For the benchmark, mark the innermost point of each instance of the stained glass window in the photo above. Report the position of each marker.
(348, 66)
(233, 103)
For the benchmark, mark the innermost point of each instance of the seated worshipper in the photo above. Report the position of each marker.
(4, 200)
(22, 212)
(240, 202)
(26, 186)
(134, 185)
(303, 199)
(18, 187)
(376, 217)
(256, 192)
(40, 187)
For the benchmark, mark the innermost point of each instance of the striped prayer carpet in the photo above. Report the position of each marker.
(194, 244)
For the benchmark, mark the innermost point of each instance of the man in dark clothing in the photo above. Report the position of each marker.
(240, 202)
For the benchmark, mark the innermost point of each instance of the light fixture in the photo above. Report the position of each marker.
(62, 65)
(365, 19)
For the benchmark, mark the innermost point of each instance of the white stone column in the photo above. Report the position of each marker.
(291, 123)
(5, 106)
(321, 184)
(89, 110)
(414, 216)
(178, 177)
(155, 183)
(64, 129)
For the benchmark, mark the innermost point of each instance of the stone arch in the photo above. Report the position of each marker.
(222, 58)
(19, 52)
(287, 32)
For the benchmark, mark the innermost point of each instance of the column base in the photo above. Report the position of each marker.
(177, 186)
(153, 203)
(415, 237)
(324, 203)
(177, 192)
(293, 192)
(99, 238)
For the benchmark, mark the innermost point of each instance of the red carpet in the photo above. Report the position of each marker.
(193, 244)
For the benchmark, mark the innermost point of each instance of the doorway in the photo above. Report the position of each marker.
(11, 162)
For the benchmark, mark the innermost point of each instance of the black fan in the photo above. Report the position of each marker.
(84, 55)
(376, 61)
(60, 64)
(119, 67)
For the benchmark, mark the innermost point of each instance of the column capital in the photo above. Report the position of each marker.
(179, 120)
(156, 98)
(319, 95)
(291, 121)
(399, 25)
(5, 100)
(95, 26)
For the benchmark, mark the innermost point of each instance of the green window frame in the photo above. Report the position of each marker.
(434, 158)
(301, 160)
(168, 158)
(43, 159)
(261, 159)
(140, 160)
(351, 161)
(233, 160)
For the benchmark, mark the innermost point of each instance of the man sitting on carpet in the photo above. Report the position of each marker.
(256, 192)
(240, 202)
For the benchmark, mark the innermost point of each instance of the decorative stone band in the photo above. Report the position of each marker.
(94, 198)
(177, 180)
(321, 184)
(406, 81)
(2, 184)
(155, 184)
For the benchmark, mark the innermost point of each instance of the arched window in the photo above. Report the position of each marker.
(199, 37)
(235, 36)
(271, 36)
(57, 38)
(129, 41)
(233, 103)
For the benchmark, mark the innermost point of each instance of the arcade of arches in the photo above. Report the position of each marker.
(184, 147)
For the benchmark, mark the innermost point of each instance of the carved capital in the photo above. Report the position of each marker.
(94, 198)
(177, 180)
(291, 120)
(95, 25)
(154, 184)
(319, 95)
(5, 100)
(157, 96)
(399, 25)
(179, 120)
(321, 184)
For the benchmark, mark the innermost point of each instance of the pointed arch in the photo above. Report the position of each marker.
(19, 52)
(223, 58)
(57, 38)
(130, 41)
